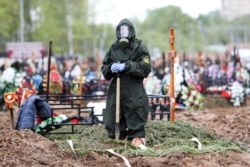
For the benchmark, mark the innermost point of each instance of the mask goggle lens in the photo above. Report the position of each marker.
(124, 31)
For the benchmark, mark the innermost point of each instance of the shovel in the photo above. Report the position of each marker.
(117, 113)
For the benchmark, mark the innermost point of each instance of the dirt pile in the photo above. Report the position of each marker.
(230, 123)
(25, 148)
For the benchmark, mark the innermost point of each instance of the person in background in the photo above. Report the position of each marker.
(88, 67)
(75, 70)
(129, 57)
(152, 84)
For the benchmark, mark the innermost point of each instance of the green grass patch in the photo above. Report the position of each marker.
(163, 137)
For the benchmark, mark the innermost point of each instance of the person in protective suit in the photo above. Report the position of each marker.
(129, 57)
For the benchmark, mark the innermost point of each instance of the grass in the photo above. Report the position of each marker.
(163, 137)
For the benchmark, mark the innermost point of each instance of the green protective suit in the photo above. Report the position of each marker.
(133, 97)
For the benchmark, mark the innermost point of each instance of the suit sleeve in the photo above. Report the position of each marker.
(141, 66)
(107, 62)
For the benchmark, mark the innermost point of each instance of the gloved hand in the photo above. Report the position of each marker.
(121, 66)
(118, 67)
(114, 68)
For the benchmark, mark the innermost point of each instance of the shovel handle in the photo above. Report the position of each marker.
(117, 114)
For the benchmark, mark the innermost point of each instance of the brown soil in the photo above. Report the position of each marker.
(25, 148)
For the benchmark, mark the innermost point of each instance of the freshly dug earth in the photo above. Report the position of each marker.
(25, 148)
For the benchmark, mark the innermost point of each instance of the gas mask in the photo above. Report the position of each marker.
(123, 35)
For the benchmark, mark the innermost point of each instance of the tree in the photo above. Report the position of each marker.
(156, 27)
(9, 20)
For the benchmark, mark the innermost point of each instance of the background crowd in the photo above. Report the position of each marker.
(78, 75)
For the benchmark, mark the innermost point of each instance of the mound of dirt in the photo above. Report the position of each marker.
(231, 123)
(25, 148)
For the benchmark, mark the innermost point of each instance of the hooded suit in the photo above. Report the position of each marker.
(133, 97)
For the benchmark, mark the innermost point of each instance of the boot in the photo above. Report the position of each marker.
(139, 142)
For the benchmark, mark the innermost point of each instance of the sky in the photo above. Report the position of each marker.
(112, 11)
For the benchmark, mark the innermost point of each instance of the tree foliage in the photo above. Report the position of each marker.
(47, 20)
(9, 20)
(156, 27)
(71, 28)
